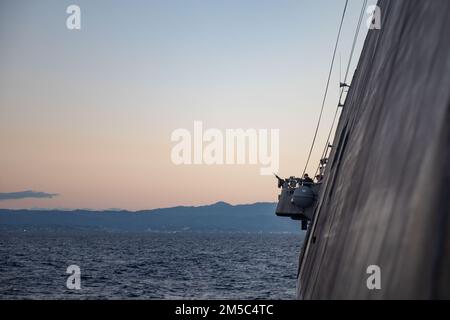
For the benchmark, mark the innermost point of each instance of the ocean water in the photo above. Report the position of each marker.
(149, 265)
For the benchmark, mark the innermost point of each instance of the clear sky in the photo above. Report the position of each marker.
(89, 114)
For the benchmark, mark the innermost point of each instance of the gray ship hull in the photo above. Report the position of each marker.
(385, 200)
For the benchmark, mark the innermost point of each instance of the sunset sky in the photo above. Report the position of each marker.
(88, 114)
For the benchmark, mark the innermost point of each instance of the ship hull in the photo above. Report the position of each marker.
(385, 200)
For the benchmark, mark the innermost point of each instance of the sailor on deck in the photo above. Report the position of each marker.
(307, 180)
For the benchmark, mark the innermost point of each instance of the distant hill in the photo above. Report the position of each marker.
(258, 217)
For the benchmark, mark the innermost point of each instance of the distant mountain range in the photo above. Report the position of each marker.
(219, 217)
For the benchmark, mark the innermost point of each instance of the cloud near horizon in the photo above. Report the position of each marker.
(25, 194)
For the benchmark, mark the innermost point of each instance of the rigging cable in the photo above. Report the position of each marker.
(355, 39)
(326, 88)
(314, 222)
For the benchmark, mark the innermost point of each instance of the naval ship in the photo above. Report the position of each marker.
(382, 192)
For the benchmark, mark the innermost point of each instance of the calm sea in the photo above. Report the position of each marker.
(149, 265)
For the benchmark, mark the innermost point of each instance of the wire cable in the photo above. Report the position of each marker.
(355, 39)
(326, 88)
